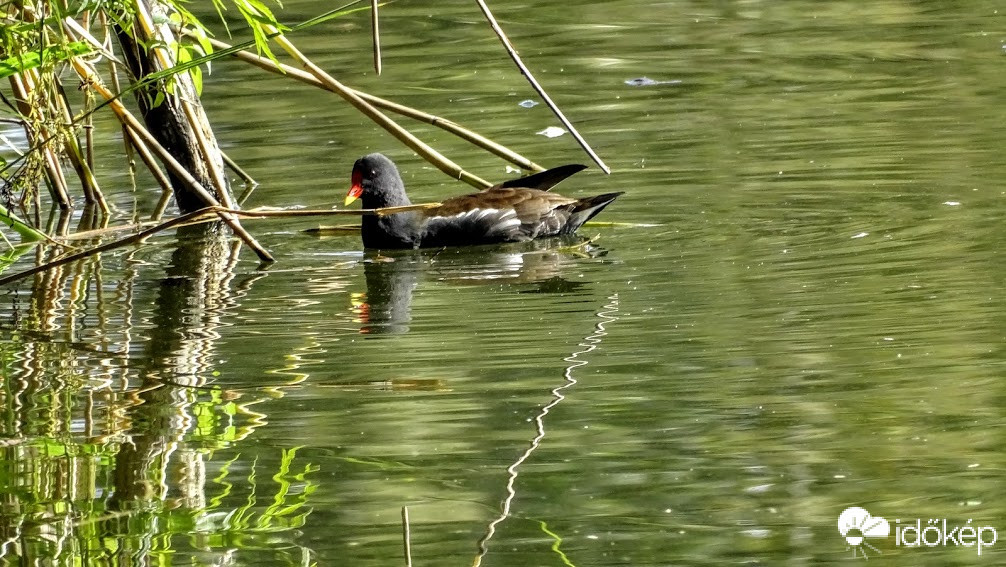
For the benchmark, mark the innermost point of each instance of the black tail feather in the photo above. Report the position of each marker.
(544, 180)
(585, 209)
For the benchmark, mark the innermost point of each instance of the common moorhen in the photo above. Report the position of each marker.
(512, 211)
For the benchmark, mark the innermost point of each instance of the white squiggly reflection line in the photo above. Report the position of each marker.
(589, 343)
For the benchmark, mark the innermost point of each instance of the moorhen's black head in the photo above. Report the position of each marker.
(376, 181)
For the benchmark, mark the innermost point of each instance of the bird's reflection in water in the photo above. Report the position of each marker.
(385, 307)
(531, 267)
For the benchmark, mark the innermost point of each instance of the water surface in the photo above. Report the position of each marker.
(810, 319)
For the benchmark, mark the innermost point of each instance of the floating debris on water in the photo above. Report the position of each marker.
(648, 82)
(551, 132)
(861, 235)
(528, 103)
(951, 203)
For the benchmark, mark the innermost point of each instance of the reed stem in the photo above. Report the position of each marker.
(428, 153)
(406, 536)
(87, 73)
(538, 88)
(377, 35)
(237, 170)
(442, 123)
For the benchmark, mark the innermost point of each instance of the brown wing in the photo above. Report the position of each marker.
(494, 215)
(526, 202)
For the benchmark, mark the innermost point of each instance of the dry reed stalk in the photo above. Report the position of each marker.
(406, 536)
(237, 170)
(75, 30)
(88, 122)
(443, 123)
(57, 108)
(88, 129)
(201, 215)
(23, 87)
(75, 154)
(538, 88)
(57, 187)
(196, 117)
(88, 74)
(54, 173)
(133, 141)
(37, 202)
(103, 248)
(384, 211)
(162, 205)
(113, 73)
(257, 214)
(375, 28)
(191, 113)
(403, 135)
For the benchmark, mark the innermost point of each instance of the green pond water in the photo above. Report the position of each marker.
(800, 309)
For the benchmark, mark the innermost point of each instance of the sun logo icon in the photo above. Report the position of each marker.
(856, 524)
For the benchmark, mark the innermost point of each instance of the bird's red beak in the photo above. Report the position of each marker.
(356, 189)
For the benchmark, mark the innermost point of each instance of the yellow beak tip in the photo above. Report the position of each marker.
(349, 199)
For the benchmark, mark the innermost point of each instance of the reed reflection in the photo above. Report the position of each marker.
(121, 447)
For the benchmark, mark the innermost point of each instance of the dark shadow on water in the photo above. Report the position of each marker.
(532, 268)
